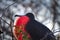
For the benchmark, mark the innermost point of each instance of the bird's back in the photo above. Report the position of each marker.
(37, 30)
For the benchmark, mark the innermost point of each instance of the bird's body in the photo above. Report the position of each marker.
(36, 29)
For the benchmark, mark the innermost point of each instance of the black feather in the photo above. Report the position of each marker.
(30, 15)
(37, 30)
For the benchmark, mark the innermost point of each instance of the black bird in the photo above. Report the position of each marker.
(37, 30)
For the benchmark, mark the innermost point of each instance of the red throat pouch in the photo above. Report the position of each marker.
(22, 20)
(20, 28)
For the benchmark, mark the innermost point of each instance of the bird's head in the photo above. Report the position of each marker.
(24, 19)
(30, 15)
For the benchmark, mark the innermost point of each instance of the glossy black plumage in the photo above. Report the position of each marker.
(37, 30)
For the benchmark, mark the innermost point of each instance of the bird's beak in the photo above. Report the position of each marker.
(18, 15)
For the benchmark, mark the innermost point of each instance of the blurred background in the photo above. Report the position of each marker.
(45, 11)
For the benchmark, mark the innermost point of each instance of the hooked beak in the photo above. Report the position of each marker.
(18, 15)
